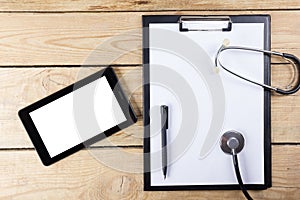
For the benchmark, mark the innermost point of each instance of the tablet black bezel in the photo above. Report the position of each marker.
(34, 134)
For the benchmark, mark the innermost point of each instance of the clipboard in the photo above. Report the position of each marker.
(247, 108)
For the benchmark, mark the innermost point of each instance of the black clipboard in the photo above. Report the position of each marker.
(147, 20)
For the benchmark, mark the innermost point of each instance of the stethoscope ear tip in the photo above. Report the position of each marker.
(217, 69)
(226, 42)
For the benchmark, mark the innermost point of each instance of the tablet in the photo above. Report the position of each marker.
(77, 116)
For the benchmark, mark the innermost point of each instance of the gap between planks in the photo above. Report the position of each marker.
(151, 11)
(145, 5)
(135, 147)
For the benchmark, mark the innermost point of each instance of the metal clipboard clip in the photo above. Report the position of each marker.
(205, 23)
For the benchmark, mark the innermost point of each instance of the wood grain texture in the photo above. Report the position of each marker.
(32, 84)
(104, 174)
(20, 87)
(145, 5)
(285, 110)
(103, 38)
(55, 33)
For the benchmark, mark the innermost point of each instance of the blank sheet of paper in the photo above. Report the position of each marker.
(244, 108)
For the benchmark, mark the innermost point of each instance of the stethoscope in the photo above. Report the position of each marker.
(232, 142)
(289, 57)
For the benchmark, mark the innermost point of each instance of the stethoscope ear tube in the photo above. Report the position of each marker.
(296, 61)
(289, 57)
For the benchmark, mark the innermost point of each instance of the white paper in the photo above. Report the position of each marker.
(244, 109)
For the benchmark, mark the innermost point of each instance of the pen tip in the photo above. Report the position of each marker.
(165, 176)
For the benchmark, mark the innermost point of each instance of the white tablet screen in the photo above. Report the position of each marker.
(77, 116)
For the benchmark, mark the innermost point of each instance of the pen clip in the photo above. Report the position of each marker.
(164, 116)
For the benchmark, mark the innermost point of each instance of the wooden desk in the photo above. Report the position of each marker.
(42, 46)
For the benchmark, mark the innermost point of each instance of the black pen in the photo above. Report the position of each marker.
(164, 127)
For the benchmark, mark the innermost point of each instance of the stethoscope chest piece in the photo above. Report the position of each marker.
(232, 142)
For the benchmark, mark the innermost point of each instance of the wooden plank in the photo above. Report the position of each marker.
(285, 118)
(145, 5)
(282, 75)
(285, 109)
(80, 176)
(20, 87)
(71, 38)
(13, 135)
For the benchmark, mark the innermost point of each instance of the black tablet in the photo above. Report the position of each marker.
(78, 115)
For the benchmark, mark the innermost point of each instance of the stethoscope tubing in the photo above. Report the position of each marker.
(291, 58)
